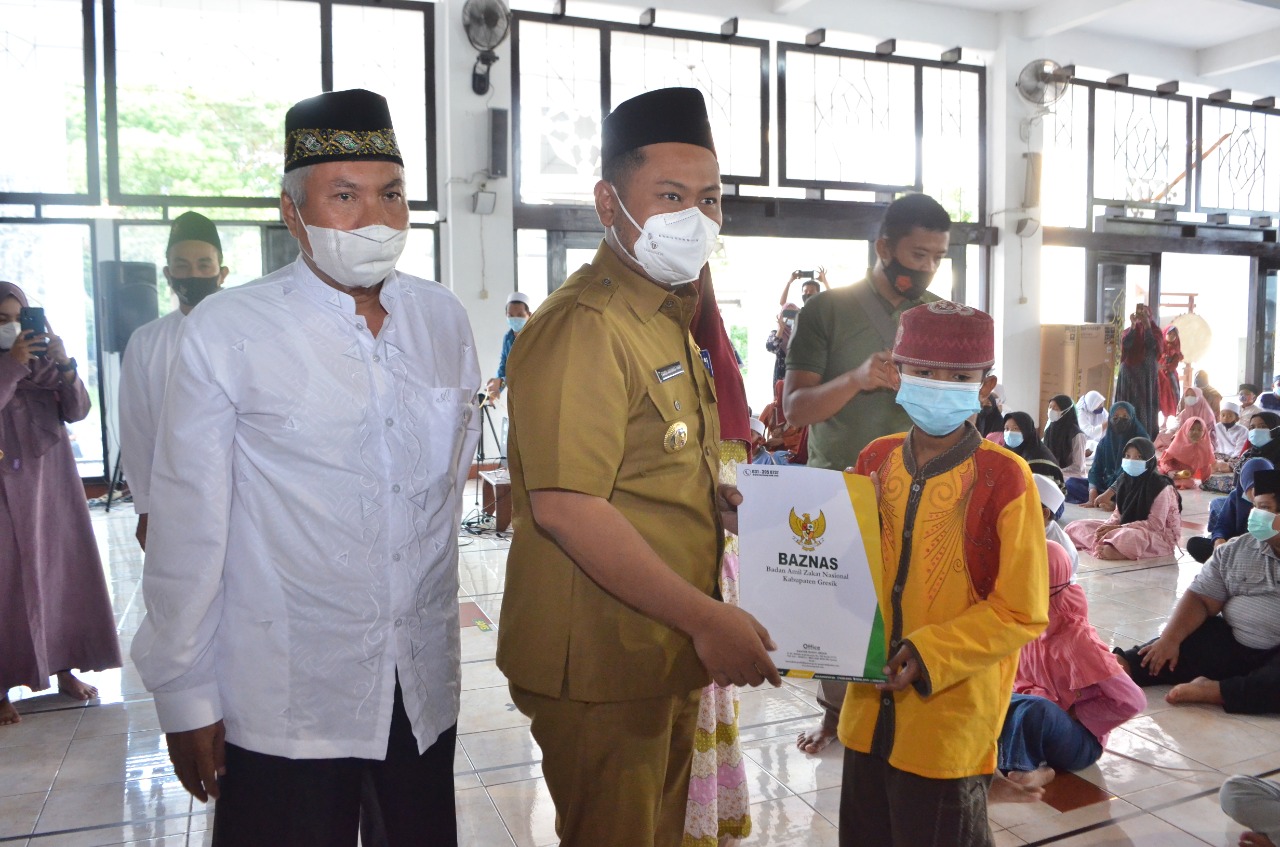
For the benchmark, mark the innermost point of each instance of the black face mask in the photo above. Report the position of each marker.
(192, 289)
(906, 282)
(1121, 424)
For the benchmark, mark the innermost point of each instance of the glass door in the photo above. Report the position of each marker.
(1120, 282)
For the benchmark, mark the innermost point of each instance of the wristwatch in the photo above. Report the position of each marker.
(67, 368)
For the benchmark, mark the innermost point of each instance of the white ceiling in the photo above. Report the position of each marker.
(1206, 44)
(1188, 24)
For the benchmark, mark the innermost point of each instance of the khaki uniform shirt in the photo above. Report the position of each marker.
(609, 397)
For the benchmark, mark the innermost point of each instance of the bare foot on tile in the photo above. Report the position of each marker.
(8, 714)
(1199, 690)
(1004, 789)
(75, 688)
(815, 741)
(1255, 839)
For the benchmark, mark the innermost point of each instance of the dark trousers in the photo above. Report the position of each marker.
(271, 801)
(881, 806)
(1038, 732)
(1200, 548)
(1250, 678)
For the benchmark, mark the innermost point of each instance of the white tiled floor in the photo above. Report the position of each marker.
(99, 774)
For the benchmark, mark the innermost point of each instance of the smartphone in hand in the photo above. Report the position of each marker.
(31, 319)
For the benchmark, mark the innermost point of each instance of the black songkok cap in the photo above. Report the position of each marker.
(340, 126)
(193, 226)
(668, 114)
(1266, 482)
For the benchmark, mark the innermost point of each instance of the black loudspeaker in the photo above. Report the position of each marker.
(498, 119)
(129, 300)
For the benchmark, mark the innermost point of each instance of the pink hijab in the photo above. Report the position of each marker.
(1068, 655)
(1196, 455)
(1197, 408)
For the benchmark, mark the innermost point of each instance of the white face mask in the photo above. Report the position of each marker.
(359, 258)
(672, 248)
(9, 335)
(1054, 415)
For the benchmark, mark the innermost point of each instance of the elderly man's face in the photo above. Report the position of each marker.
(347, 196)
(674, 177)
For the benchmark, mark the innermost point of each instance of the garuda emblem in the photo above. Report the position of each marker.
(808, 531)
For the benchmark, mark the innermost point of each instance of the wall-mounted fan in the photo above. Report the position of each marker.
(487, 23)
(1042, 83)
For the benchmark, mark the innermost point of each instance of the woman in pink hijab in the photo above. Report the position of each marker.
(1069, 694)
(1191, 406)
(1190, 456)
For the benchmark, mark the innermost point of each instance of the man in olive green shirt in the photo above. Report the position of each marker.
(841, 381)
(611, 621)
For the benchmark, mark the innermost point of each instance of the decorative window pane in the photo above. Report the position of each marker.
(1140, 148)
(210, 123)
(1065, 167)
(849, 121)
(384, 50)
(1237, 146)
(53, 266)
(559, 123)
(42, 149)
(728, 75)
(952, 150)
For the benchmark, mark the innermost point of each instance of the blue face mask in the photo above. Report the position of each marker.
(1134, 467)
(1259, 437)
(939, 408)
(1261, 524)
(1013, 439)
(516, 324)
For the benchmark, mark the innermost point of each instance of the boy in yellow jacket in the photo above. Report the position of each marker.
(964, 586)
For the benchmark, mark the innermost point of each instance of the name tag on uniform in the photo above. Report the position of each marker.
(666, 373)
(706, 361)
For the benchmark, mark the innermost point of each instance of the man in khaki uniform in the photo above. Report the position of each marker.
(610, 622)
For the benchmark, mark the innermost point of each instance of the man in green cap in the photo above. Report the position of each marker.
(194, 270)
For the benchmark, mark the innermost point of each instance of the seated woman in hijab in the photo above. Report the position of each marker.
(1091, 412)
(1066, 441)
(1122, 425)
(1232, 520)
(1069, 694)
(1146, 522)
(1189, 457)
(1020, 437)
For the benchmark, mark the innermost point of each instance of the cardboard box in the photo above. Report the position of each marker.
(1059, 349)
(1096, 361)
(1074, 359)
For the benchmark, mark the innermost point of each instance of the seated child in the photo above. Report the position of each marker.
(1146, 522)
(1189, 457)
(964, 585)
(1020, 437)
(1051, 501)
(1232, 520)
(1230, 439)
(1069, 695)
